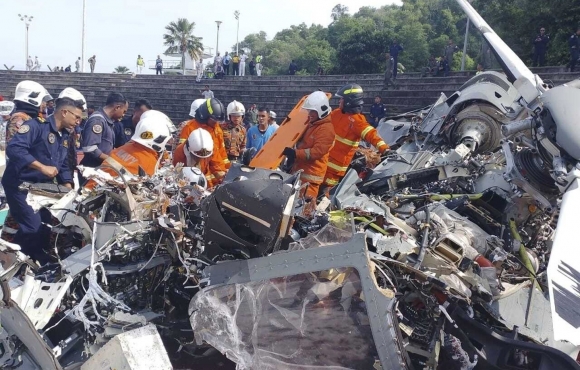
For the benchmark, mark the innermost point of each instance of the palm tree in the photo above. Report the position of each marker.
(180, 39)
(122, 70)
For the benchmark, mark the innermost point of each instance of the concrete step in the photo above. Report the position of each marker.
(174, 94)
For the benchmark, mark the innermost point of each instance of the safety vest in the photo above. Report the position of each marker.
(236, 59)
(259, 59)
(140, 62)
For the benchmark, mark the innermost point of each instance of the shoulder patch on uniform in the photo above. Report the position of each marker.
(97, 129)
(65, 143)
(23, 129)
(128, 132)
(146, 135)
(51, 138)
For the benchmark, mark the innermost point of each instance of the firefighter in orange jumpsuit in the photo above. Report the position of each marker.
(197, 152)
(208, 116)
(350, 127)
(311, 152)
(144, 150)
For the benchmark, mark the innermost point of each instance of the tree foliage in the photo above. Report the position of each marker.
(122, 70)
(180, 39)
(356, 43)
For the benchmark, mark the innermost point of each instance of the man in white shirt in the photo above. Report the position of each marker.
(78, 65)
(243, 58)
(217, 62)
(29, 64)
(37, 64)
(207, 93)
(199, 68)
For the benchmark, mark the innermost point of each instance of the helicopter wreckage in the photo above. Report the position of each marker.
(456, 251)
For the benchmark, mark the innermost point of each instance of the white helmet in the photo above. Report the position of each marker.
(6, 107)
(152, 131)
(196, 104)
(200, 143)
(273, 114)
(236, 108)
(193, 175)
(160, 116)
(30, 92)
(318, 101)
(75, 95)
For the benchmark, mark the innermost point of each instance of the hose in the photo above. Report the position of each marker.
(425, 241)
(523, 253)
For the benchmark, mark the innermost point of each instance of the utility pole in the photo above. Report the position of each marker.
(217, 44)
(237, 15)
(83, 41)
(27, 20)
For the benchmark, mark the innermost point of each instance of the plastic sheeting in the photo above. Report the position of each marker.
(307, 321)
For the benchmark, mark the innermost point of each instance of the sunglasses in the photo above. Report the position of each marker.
(77, 117)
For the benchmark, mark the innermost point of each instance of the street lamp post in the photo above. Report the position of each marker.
(27, 20)
(217, 44)
(83, 41)
(237, 15)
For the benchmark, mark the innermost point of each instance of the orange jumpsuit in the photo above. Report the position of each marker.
(133, 155)
(349, 129)
(312, 151)
(130, 156)
(204, 164)
(219, 147)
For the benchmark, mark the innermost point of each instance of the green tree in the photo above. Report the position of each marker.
(122, 70)
(254, 43)
(338, 12)
(180, 39)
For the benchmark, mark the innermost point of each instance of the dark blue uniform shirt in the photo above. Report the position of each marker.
(124, 131)
(97, 138)
(394, 50)
(37, 140)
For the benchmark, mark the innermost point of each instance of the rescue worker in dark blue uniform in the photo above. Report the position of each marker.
(38, 154)
(395, 49)
(125, 128)
(98, 137)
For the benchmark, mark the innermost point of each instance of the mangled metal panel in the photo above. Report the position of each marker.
(308, 300)
(251, 210)
(564, 270)
(527, 308)
(138, 349)
(36, 355)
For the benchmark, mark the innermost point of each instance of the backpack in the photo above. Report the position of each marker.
(226, 61)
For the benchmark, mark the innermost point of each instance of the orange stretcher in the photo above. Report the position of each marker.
(287, 135)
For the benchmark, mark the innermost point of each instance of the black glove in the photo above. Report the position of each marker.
(247, 156)
(290, 154)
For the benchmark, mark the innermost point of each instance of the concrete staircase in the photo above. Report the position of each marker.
(174, 94)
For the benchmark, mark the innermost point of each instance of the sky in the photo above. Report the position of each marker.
(116, 31)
